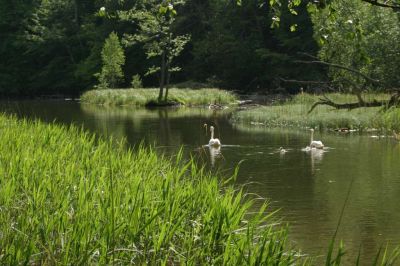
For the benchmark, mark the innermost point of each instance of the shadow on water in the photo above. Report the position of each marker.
(309, 188)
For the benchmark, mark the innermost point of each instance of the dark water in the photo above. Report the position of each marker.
(308, 188)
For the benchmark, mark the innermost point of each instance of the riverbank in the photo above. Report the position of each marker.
(67, 197)
(141, 97)
(294, 113)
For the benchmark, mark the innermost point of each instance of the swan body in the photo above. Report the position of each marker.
(315, 143)
(282, 150)
(213, 142)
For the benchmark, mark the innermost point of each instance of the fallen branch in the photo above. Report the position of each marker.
(306, 81)
(393, 101)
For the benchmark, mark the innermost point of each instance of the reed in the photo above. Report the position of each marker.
(140, 97)
(67, 197)
(294, 113)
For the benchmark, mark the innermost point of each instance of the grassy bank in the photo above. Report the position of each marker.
(294, 113)
(67, 198)
(140, 97)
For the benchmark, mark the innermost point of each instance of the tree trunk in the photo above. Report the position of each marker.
(76, 13)
(162, 78)
(167, 81)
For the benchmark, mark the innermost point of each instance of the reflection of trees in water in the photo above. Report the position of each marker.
(171, 122)
(164, 133)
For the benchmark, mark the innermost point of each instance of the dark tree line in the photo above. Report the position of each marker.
(55, 46)
(50, 47)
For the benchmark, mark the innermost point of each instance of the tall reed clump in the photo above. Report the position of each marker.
(140, 97)
(67, 197)
(294, 113)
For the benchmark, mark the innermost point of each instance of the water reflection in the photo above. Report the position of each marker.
(215, 153)
(309, 188)
(316, 156)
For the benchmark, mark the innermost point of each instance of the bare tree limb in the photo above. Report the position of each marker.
(306, 81)
(393, 101)
(348, 106)
(387, 4)
(340, 67)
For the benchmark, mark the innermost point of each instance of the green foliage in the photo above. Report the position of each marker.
(235, 46)
(155, 21)
(140, 97)
(136, 82)
(294, 113)
(54, 46)
(68, 197)
(113, 59)
(362, 37)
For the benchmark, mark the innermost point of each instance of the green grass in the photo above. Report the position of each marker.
(67, 197)
(294, 113)
(140, 97)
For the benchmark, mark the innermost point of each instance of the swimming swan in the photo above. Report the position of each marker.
(282, 150)
(315, 143)
(213, 142)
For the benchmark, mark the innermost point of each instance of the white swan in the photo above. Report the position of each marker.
(315, 143)
(282, 150)
(213, 142)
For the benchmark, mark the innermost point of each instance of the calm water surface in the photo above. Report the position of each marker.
(308, 188)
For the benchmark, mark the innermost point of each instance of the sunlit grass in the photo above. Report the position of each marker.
(67, 197)
(140, 97)
(294, 113)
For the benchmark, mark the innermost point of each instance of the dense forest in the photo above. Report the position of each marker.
(59, 46)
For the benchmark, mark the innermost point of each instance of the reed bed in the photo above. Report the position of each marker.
(67, 197)
(140, 97)
(294, 113)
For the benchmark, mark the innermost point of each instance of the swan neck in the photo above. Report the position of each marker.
(212, 133)
(312, 136)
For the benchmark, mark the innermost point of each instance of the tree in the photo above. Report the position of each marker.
(235, 48)
(113, 59)
(359, 46)
(361, 37)
(156, 20)
(392, 4)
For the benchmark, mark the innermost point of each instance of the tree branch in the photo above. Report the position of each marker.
(305, 81)
(340, 67)
(393, 101)
(387, 4)
(348, 106)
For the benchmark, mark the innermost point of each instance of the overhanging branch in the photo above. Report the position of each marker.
(387, 4)
(340, 67)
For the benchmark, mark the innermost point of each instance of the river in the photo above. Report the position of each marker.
(309, 189)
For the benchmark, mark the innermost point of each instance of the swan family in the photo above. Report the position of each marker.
(314, 144)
